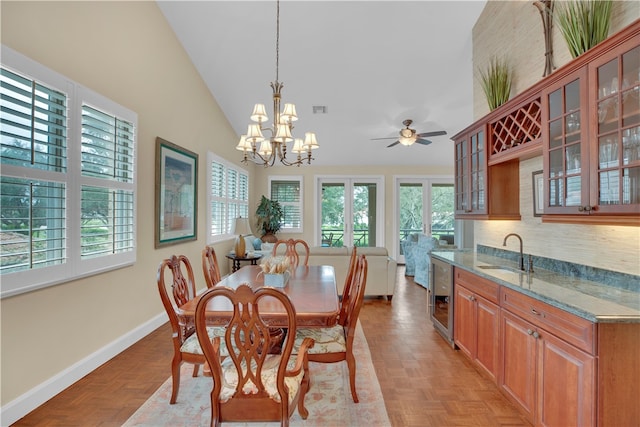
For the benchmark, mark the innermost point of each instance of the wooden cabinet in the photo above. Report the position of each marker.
(591, 139)
(549, 377)
(483, 192)
(476, 319)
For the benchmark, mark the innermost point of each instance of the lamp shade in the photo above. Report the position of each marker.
(310, 141)
(254, 134)
(259, 113)
(241, 226)
(243, 144)
(298, 147)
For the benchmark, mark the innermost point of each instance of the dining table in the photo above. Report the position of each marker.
(312, 290)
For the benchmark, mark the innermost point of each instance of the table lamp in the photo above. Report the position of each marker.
(241, 228)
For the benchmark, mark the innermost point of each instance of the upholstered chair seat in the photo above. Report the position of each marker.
(327, 340)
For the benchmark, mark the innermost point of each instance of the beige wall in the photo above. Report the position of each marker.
(127, 52)
(513, 29)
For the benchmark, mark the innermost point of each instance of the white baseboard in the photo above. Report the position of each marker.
(21, 406)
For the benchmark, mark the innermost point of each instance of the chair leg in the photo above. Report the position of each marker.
(175, 376)
(304, 387)
(351, 364)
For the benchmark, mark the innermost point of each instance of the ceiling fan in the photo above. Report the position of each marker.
(408, 136)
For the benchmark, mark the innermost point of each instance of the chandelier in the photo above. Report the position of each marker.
(280, 130)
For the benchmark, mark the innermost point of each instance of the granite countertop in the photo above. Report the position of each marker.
(591, 300)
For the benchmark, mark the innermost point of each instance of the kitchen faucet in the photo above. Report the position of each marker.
(504, 243)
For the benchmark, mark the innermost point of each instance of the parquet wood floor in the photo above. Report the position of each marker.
(424, 381)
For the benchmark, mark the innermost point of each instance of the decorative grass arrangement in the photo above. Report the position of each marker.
(583, 23)
(496, 82)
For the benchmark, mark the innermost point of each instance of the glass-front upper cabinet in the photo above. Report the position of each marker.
(616, 117)
(566, 154)
(471, 174)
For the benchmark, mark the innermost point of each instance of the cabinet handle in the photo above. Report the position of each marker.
(529, 332)
(472, 298)
(533, 311)
(535, 334)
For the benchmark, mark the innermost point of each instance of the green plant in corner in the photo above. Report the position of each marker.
(496, 82)
(270, 216)
(583, 23)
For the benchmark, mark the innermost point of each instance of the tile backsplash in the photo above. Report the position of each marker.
(614, 248)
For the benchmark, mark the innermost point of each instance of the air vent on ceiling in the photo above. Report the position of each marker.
(319, 109)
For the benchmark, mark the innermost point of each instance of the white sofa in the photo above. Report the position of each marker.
(381, 273)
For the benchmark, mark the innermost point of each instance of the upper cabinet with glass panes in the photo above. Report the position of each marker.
(591, 137)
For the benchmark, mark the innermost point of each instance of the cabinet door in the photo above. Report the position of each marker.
(518, 353)
(471, 174)
(615, 101)
(565, 148)
(566, 379)
(464, 332)
(488, 327)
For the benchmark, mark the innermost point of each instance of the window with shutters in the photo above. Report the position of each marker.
(287, 191)
(227, 198)
(67, 185)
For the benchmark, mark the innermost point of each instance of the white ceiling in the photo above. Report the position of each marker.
(371, 63)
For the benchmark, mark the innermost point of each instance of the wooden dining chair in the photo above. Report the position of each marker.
(177, 272)
(335, 344)
(253, 384)
(291, 251)
(346, 290)
(210, 267)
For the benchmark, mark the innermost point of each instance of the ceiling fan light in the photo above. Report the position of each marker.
(407, 140)
(259, 113)
(310, 141)
(406, 133)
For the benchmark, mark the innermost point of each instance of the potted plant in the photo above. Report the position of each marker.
(583, 23)
(269, 214)
(496, 82)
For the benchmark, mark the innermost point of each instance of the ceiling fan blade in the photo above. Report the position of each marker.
(395, 143)
(423, 141)
(434, 133)
(375, 139)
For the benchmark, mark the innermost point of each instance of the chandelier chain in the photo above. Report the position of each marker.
(277, 38)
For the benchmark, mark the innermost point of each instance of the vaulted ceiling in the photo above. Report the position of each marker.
(372, 64)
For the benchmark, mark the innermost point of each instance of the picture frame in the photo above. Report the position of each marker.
(538, 193)
(176, 194)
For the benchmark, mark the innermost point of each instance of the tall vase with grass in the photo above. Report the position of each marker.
(583, 23)
(496, 82)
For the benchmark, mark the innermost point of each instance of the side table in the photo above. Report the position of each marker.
(252, 258)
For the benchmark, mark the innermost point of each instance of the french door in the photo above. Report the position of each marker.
(424, 205)
(350, 211)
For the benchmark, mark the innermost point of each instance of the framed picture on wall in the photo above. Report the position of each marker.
(176, 193)
(538, 193)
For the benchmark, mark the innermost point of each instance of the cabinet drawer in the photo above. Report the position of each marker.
(476, 284)
(566, 326)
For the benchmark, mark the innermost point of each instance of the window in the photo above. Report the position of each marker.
(288, 192)
(67, 186)
(227, 198)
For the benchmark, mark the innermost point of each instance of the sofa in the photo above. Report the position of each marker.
(416, 249)
(381, 273)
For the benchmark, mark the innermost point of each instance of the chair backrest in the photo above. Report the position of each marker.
(210, 267)
(346, 290)
(291, 251)
(183, 289)
(357, 298)
(246, 336)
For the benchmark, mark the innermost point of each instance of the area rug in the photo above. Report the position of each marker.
(329, 400)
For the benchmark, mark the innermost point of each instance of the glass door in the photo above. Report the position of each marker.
(424, 206)
(350, 212)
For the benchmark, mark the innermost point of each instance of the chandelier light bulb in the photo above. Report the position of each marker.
(243, 144)
(259, 113)
(406, 140)
(254, 134)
